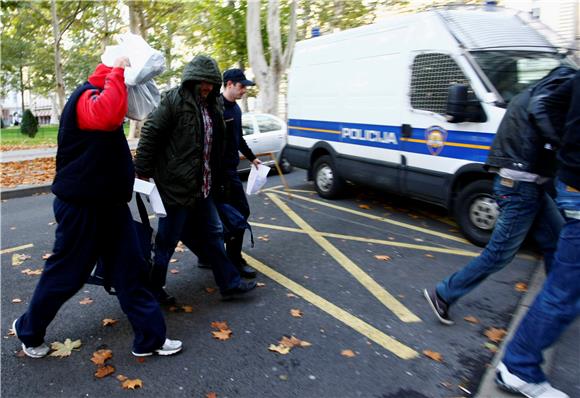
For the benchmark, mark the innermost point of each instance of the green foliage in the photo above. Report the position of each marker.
(29, 125)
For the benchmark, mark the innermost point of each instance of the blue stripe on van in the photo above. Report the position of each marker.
(458, 144)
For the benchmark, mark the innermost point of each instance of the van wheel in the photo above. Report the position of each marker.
(285, 166)
(327, 182)
(476, 211)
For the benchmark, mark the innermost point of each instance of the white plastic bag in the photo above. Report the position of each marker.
(142, 99)
(257, 179)
(146, 62)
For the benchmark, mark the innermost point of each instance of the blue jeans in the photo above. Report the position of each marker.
(201, 224)
(557, 304)
(524, 206)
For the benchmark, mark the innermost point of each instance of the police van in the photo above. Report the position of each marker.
(411, 105)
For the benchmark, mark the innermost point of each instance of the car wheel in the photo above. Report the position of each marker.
(327, 182)
(285, 165)
(476, 211)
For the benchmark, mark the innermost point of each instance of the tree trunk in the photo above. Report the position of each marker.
(22, 88)
(268, 76)
(60, 94)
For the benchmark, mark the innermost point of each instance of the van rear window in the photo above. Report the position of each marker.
(432, 74)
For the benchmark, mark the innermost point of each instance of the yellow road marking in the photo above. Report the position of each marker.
(272, 188)
(17, 248)
(402, 312)
(372, 333)
(378, 218)
(457, 252)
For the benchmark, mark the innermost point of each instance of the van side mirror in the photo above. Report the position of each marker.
(462, 109)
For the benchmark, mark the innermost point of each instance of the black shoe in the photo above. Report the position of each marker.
(439, 307)
(201, 264)
(242, 288)
(163, 297)
(245, 270)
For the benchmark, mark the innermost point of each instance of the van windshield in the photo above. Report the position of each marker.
(512, 71)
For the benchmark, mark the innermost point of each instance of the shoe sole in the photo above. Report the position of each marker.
(441, 319)
(160, 353)
(24, 346)
(508, 388)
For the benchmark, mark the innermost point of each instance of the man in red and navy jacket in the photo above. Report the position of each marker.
(93, 183)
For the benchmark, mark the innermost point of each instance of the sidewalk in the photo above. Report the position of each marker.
(561, 362)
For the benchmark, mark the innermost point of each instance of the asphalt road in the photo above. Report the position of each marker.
(313, 255)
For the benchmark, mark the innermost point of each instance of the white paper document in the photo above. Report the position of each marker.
(149, 189)
(257, 179)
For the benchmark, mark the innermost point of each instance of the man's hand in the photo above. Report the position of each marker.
(121, 62)
(256, 162)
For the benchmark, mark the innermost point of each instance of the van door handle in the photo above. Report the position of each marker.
(406, 130)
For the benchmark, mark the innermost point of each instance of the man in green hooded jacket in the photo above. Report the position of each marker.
(181, 147)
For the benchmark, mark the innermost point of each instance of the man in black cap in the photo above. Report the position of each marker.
(235, 84)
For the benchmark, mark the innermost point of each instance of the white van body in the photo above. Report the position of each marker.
(368, 105)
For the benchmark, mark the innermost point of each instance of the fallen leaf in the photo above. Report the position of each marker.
(132, 384)
(187, 308)
(46, 256)
(173, 308)
(429, 256)
(211, 395)
(18, 259)
(348, 353)
(223, 325)
(280, 349)
(210, 290)
(100, 356)
(418, 240)
(291, 295)
(383, 257)
(173, 260)
(174, 271)
(264, 238)
(31, 272)
(121, 377)
(16, 300)
(180, 247)
(495, 335)
(296, 313)
(294, 342)
(471, 319)
(222, 334)
(260, 284)
(65, 349)
(366, 207)
(11, 332)
(433, 355)
(447, 385)
(141, 360)
(390, 238)
(109, 322)
(521, 287)
(104, 371)
(86, 300)
(490, 346)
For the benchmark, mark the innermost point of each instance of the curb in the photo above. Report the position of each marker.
(488, 387)
(24, 191)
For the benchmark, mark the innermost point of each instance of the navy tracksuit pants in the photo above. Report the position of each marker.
(84, 234)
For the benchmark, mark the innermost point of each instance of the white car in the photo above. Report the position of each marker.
(266, 136)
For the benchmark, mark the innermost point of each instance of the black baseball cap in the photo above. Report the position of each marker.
(237, 76)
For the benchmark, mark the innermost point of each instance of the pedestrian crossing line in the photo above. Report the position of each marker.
(377, 218)
(369, 331)
(433, 249)
(402, 312)
(17, 248)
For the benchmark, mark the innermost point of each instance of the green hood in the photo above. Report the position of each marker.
(202, 67)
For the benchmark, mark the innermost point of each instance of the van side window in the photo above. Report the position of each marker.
(432, 74)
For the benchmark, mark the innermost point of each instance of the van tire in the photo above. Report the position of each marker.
(285, 165)
(327, 182)
(476, 211)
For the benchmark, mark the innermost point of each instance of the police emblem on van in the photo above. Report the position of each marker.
(435, 138)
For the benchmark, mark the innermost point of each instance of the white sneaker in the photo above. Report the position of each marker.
(170, 347)
(512, 383)
(33, 352)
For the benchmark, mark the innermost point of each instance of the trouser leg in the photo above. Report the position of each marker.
(65, 271)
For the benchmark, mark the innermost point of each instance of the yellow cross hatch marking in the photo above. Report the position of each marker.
(369, 331)
(17, 248)
(402, 312)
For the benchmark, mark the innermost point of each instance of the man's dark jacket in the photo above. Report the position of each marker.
(171, 145)
(527, 126)
(235, 142)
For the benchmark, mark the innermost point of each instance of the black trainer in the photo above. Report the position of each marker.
(439, 307)
(245, 270)
(243, 288)
(163, 297)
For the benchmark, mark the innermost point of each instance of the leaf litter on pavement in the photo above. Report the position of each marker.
(65, 349)
(286, 344)
(223, 333)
